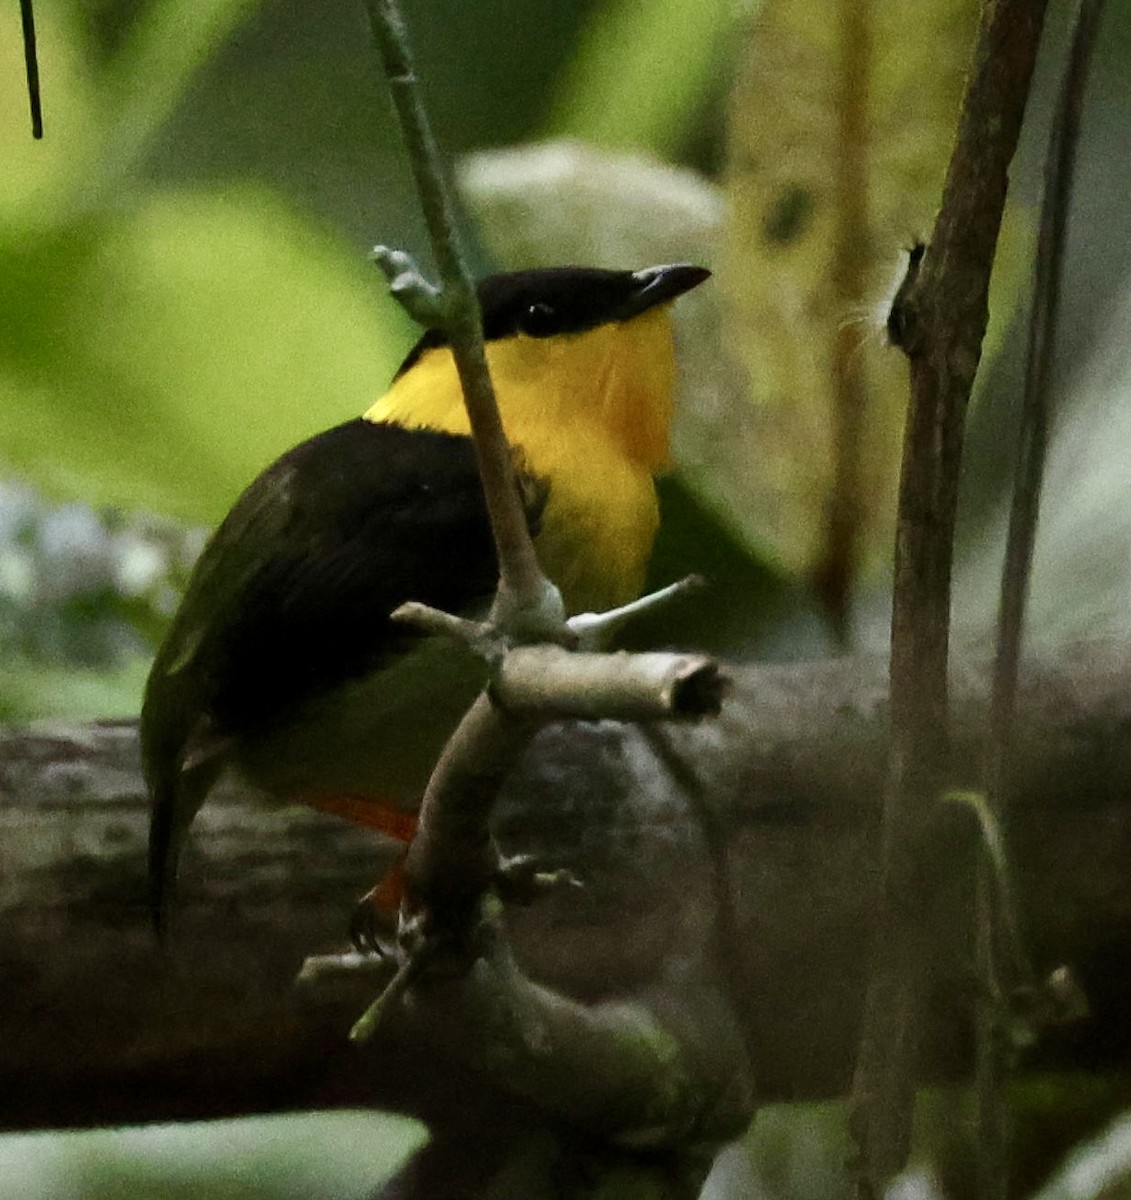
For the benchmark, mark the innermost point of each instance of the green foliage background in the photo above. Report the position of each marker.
(183, 275)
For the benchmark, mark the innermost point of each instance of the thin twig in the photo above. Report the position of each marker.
(526, 599)
(943, 319)
(1035, 412)
(31, 65)
(993, 1052)
(595, 630)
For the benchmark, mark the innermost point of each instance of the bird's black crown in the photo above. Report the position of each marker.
(551, 301)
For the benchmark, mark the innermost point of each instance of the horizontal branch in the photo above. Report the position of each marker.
(540, 680)
(757, 831)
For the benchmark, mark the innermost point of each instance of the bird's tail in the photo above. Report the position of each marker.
(177, 793)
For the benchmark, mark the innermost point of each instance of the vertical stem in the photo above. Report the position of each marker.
(992, 1052)
(522, 586)
(990, 1059)
(1035, 411)
(945, 319)
(31, 65)
(835, 573)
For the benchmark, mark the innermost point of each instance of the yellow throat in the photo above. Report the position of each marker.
(588, 413)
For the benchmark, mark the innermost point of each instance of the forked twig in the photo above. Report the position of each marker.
(451, 863)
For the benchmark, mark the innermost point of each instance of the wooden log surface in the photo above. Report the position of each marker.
(755, 834)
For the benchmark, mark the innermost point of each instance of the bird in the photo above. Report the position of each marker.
(282, 665)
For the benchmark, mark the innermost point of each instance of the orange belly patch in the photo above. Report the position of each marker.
(370, 813)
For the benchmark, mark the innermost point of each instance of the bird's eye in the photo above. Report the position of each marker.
(538, 320)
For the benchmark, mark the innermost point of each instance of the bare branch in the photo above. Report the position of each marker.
(595, 630)
(100, 1029)
(543, 1039)
(439, 623)
(556, 684)
(526, 600)
(942, 321)
(451, 861)
(613, 1067)
(1035, 406)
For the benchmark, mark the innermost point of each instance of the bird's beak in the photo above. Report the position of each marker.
(659, 285)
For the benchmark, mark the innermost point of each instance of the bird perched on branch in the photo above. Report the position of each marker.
(282, 663)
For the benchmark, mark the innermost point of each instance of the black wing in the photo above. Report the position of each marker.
(292, 594)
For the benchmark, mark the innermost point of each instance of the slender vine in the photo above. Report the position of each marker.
(993, 1053)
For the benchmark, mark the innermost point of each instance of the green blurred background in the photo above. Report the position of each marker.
(185, 292)
(184, 284)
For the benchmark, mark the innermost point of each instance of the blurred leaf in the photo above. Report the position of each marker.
(34, 689)
(1097, 1170)
(166, 46)
(161, 357)
(837, 153)
(567, 202)
(1082, 560)
(98, 123)
(335, 1156)
(155, 354)
(39, 175)
(637, 71)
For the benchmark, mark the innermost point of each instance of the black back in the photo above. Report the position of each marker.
(292, 594)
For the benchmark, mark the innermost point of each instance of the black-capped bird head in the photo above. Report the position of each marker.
(579, 347)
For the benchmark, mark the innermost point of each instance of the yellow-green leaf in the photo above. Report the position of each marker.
(98, 120)
(160, 357)
(841, 126)
(38, 176)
